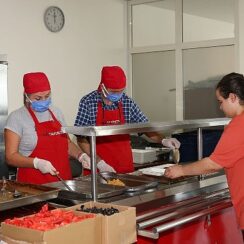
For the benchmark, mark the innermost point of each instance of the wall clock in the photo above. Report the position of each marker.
(54, 19)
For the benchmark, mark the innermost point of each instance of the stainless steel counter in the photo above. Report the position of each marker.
(172, 203)
(173, 191)
(176, 204)
(171, 127)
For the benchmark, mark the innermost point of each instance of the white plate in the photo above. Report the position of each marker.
(156, 170)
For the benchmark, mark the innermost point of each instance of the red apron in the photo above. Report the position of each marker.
(114, 150)
(52, 146)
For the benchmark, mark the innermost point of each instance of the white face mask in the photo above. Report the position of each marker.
(104, 90)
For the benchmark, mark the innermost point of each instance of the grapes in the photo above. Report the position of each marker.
(103, 211)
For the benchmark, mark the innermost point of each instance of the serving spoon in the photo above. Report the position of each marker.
(63, 182)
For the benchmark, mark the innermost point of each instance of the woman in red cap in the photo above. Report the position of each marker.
(34, 142)
(109, 105)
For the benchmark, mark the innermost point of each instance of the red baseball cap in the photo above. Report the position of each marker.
(35, 82)
(113, 77)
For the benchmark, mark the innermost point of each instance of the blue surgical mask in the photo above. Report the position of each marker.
(114, 97)
(41, 105)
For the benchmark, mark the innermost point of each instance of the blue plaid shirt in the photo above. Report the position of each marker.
(87, 112)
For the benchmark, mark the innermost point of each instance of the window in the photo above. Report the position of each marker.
(177, 47)
(157, 81)
(151, 31)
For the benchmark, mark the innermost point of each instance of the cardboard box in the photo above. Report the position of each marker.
(119, 228)
(86, 231)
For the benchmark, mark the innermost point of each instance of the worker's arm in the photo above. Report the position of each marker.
(203, 166)
(159, 138)
(84, 144)
(13, 157)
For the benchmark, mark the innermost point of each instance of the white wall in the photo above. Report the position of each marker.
(94, 35)
(240, 36)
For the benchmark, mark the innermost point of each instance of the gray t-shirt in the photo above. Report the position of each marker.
(21, 123)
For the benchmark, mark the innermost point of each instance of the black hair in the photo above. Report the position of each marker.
(232, 83)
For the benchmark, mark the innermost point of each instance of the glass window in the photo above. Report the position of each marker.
(154, 84)
(203, 68)
(207, 19)
(153, 23)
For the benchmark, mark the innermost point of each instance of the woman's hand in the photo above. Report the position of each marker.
(44, 166)
(173, 172)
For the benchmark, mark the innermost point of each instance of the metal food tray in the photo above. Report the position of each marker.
(132, 183)
(29, 194)
(82, 189)
(164, 180)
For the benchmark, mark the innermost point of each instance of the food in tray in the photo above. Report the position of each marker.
(10, 190)
(47, 220)
(116, 182)
(96, 210)
(7, 195)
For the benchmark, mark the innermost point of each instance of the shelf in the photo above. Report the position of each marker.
(172, 126)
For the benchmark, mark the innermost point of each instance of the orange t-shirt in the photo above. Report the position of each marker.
(229, 153)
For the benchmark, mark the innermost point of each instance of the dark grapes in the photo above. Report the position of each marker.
(103, 211)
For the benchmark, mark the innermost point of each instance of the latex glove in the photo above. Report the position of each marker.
(171, 143)
(102, 166)
(85, 160)
(44, 166)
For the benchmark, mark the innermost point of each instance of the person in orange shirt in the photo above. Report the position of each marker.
(229, 152)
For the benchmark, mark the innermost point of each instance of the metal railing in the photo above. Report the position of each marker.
(191, 211)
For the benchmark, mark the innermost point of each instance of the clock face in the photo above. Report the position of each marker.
(54, 19)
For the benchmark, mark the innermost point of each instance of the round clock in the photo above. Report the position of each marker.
(54, 19)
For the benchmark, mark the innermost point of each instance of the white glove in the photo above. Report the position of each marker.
(102, 166)
(85, 160)
(44, 166)
(171, 143)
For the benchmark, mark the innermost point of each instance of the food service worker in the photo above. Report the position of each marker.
(229, 152)
(109, 105)
(34, 142)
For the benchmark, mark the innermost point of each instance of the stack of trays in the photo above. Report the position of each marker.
(156, 170)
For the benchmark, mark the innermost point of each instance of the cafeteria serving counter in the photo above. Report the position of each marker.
(186, 210)
(170, 127)
(190, 210)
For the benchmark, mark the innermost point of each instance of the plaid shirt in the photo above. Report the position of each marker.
(87, 112)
